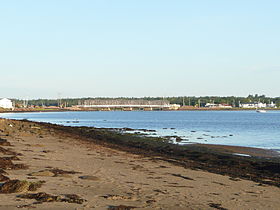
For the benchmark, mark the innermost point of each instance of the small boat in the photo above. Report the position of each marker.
(261, 111)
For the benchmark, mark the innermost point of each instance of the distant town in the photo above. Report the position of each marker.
(145, 103)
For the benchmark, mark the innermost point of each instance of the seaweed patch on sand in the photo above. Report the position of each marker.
(42, 197)
(16, 186)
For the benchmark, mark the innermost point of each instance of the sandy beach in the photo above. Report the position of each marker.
(70, 172)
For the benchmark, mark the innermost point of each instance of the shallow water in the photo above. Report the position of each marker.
(240, 128)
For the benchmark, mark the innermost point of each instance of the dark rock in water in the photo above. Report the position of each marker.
(127, 129)
(193, 131)
(230, 135)
(172, 128)
(169, 137)
(178, 139)
(199, 138)
(164, 128)
(147, 130)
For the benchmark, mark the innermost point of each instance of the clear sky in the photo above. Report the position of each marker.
(139, 48)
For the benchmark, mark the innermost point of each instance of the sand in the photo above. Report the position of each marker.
(106, 178)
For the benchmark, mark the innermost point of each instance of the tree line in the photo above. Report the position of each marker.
(181, 100)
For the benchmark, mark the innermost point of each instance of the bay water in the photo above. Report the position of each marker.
(239, 128)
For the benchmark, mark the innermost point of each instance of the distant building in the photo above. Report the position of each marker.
(6, 103)
(221, 106)
(225, 106)
(211, 105)
(253, 105)
(174, 106)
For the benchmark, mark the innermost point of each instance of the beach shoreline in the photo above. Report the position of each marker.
(127, 172)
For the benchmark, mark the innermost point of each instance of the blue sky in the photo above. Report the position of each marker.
(139, 48)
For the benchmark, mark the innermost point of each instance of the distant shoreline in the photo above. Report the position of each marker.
(94, 110)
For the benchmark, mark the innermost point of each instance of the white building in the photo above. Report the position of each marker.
(6, 103)
(253, 105)
(225, 106)
(221, 106)
(174, 106)
(211, 105)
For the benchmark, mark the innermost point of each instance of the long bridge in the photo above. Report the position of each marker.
(127, 104)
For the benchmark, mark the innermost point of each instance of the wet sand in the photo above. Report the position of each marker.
(108, 175)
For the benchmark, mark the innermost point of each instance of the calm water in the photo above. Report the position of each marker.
(242, 128)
